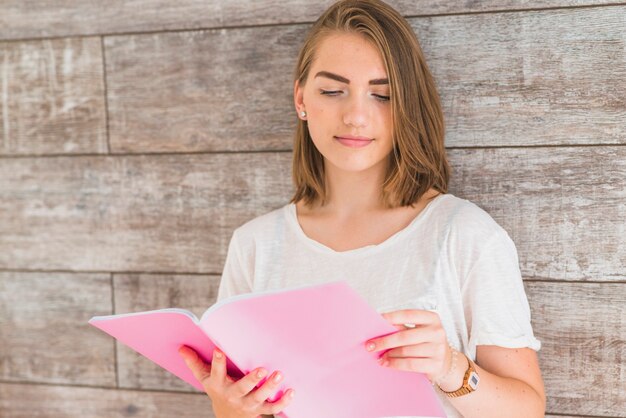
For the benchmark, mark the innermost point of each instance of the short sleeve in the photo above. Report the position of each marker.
(495, 303)
(236, 276)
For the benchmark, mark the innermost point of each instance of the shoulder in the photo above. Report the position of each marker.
(261, 226)
(467, 221)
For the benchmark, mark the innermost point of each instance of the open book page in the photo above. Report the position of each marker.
(158, 334)
(315, 335)
(254, 295)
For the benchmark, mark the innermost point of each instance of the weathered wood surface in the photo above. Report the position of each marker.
(506, 79)
(534, 78)
(44, 335)
(583, 334)
(202, 91)
(28, 400)
(43, 401)
(565, 208)
(52, 97)
(166, 213)
(20, 20)
(144, 292)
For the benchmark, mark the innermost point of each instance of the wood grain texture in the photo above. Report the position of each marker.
(52, 97)
(565, 208)
(167, 213)
(44, 335)
(171, 91)
(506, 79)
(583, 334)
(144, 292)
(67, 18)
(534, 78)
(28, 401)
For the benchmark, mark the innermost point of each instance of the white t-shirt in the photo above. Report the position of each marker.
(453, 258)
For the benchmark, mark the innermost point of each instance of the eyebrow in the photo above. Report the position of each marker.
(327, 74)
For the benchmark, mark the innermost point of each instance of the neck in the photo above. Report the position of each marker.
(352, 192)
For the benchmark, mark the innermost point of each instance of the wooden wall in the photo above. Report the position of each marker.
(136, 135)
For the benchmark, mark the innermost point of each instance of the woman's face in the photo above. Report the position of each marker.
(347, 95)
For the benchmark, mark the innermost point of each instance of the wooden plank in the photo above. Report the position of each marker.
(509, 79)
(565, 208)
(583, 332)
(66, 18)
(42, 401)
(44, 332)
(143, 292)
(52, 97)
(206, 91)
(166, 213)
(536, 78)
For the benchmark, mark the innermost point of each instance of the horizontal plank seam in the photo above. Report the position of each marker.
(72, 385)
(195, 273)
(133, 154)
(558, 414)
(9, 270)
(262, 25)
(26, 383)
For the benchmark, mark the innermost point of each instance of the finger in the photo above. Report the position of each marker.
(423, 350)
(409, 336)
(271, 408)
(246, 384)
(201, 371)
(267, 389)
(218, 366)
(412, 364)
(411, 316)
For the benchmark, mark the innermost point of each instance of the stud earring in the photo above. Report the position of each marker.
(303, 114)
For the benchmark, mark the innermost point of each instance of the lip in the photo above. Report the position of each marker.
(354, 141)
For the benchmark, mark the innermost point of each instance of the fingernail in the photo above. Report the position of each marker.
(260, 373)
(371, 346)
(291, 393)
(385, 363)
(218, 354)
(277, 377)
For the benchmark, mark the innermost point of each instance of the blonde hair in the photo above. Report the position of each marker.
(418, 161)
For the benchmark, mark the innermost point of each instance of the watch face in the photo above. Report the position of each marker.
(473, 380)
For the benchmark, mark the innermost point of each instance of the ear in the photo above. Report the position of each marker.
(298, 96)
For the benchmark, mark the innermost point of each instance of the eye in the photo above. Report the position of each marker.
(330, 92)
(379, 97)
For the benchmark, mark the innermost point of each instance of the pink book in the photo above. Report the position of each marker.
(315, 335)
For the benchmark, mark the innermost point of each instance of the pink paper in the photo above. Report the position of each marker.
(315, 335)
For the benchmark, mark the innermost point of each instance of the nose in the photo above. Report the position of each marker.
(356, 112)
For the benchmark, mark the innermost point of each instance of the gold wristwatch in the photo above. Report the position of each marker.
(470, 382)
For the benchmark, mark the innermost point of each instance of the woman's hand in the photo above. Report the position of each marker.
(235, 399)
(423, 349)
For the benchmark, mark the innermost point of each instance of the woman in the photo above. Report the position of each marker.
(371, 206)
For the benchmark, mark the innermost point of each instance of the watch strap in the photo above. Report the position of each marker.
(470, 380)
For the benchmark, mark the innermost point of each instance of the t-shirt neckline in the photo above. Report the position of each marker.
(292, 219)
